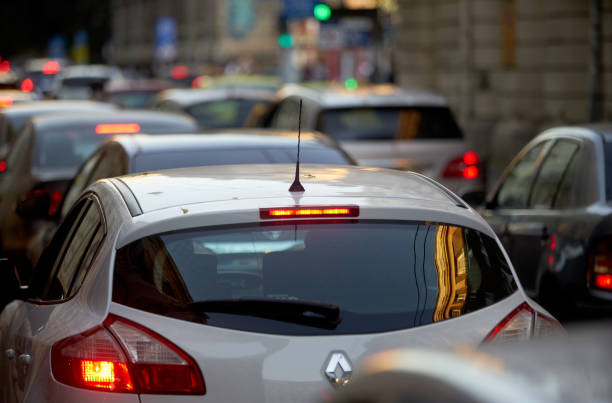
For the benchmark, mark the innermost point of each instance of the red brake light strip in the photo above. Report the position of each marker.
(117, 128)
(313, 212)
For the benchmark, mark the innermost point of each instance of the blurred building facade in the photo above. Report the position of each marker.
(509, 67)
(205, 32)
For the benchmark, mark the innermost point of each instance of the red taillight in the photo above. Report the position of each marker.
(523, 323)
(27, 85)
(5, 66)
(123, 356)
(55, 198)
(465, 166)
(51, 67)
(600, 265)
(3, 166)
(117, 128)
(309, 212)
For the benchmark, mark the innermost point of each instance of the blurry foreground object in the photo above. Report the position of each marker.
(575, 368)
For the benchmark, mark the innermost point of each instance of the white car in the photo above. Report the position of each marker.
(219, 284)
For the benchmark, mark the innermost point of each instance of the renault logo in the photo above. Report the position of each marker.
(338, 369)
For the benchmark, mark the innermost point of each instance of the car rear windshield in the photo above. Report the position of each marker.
(225, 113)
(401, 123)
(231, 156)
(381, 275)
(70, 146)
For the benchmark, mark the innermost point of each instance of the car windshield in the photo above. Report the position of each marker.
(237, 155)
(388, 123)
(382, 275)
(225, 113)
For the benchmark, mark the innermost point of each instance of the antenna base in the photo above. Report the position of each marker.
(296, 186)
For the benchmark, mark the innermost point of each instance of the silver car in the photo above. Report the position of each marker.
(219, 284)
(384, 126)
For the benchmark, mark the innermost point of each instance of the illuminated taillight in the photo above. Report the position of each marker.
(5, 66)
(466, 166)
(5, 101)
(117, 128)
(600, 265)
(179, 72)
(522, 324)
(125, 357)
(55, 198)
(309, 212)
(92, 360)
(27, 85)
(3, 166)
(51, 67)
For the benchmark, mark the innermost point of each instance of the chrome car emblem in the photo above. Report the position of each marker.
(338, 369)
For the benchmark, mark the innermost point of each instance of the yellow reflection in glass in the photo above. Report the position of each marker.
(452, 273)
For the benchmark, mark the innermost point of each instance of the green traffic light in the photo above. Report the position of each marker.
(351, 84)
(285, 41)
(322, 12)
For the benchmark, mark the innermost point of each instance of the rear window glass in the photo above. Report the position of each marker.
(192, 158)
(70, 146)
(133, 99)
(223, 114)
(381, 275)
(389, 123)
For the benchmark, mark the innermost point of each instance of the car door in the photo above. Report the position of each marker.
(55, 281)
(534, 227)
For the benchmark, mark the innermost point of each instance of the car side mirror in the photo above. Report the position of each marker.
(11, 287)
(36, 205)
(474, 199)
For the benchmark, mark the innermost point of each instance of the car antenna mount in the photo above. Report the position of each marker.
(296, 186)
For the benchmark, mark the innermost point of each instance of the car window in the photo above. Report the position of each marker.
(224, 113)
(554, 169)
(608, 168)
(80, 182)
(65, 262)
(384, 123)
(514, 190)
(384, 275)
(286, 115)
(192, 158)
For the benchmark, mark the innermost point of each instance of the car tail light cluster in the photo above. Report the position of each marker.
(309, 212)
(600, 265)
(523, 323)
(55, 197)
(122, 356)
(466, 166)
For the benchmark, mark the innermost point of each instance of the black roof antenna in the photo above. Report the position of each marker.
(296, 186)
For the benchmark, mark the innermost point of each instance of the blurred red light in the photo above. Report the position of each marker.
(470, 158)
(27, 85)
(603, 281)
(2, 166)
(117, 128)
(5, 66)
(179, 72)
(470, 172)
(51, 67)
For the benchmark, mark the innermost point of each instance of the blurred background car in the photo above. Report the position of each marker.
(384, 126)
(39, 73)
(219, 108)
(563, 369)
(551, 209)
(134, 94)
(215, 271)
(249, 81)
(84, 81)
(47, 154)
(124, 155)
(12, 119)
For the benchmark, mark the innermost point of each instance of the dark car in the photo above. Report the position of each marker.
(218, 108)
(13, 118)
(552, 209)
(123, 155)
(47, 154)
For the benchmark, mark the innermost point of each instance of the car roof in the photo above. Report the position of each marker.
(178, 187)
(334, 95)
(190, 96)
(111, 116)
(49, 106)
(242, 138)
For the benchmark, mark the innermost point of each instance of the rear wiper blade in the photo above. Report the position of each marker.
(311, 313)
